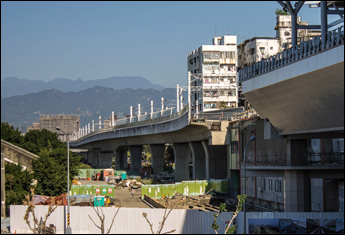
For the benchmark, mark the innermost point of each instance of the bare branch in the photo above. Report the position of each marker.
(94, 222)
(113, 220)
(150, 225)
(170, 231)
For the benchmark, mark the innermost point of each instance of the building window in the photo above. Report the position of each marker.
(270, 185)
(262, 50)
(271, 48)
(278, 186)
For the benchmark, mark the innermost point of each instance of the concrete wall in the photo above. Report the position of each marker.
(17, 154)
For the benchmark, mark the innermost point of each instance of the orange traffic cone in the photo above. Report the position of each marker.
(15, 232)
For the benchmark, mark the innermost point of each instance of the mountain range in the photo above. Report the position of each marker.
(11, 86)
(89, 104)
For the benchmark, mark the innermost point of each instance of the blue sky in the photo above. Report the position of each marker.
(93, 40)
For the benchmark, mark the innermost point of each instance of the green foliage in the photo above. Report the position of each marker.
(228, 229)
(85, 166)
(17, 184)
(35, 140)
(50, 169)
(147, 156)
(169, 155)
(9, 134)
(280, 12)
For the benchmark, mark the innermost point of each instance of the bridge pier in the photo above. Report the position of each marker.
(198, 160)
(181, 152)
(157, 157)
(297, 196)
(215, 160)
(120, 161)
(105, 159)
(135, 157)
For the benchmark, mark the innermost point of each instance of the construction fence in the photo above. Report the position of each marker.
(187, 188)
(97, 190)
(131, 220)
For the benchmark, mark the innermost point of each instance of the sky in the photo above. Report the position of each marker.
(94, 40)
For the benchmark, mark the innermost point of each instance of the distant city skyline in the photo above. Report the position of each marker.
(94, 40)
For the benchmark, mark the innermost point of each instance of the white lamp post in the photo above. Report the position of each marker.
(68, 229)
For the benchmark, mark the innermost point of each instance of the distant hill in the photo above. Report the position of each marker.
(89, 104)
(12, 86)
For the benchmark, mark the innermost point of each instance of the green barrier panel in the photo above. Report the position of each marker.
(82, 190)
(192, 188)
(199, 189)
(89, 189)
(158, 191)
(224, 186)
(169, 190)
(185, 188)
(179, 188)
(144, 190)
(208, 186)
(151, 191)
(74, 190)
(107, 190)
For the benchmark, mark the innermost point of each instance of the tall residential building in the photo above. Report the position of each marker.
(216, 66)
(69, 124)
(284, 31)
(35, 126)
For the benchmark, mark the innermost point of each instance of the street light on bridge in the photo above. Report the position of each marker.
(68, 229)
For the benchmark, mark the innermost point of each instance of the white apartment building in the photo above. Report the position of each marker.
(216, 67)
(284, 31)
(255, 49)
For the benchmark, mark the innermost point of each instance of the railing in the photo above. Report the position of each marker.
(311, 159)
(303, 50)
(162, 115)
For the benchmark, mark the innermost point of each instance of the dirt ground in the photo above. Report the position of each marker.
(122, 197)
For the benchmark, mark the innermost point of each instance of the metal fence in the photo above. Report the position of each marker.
(130, 220)
(304, 49)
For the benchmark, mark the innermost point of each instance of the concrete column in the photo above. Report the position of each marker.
(296, 152)
(182, 99)
(135, 157)
(93, 125)
(96, 157)
(157, 159)
(177, 98)
(120, 161)
(297, 194)
(181, 152)
(89, 156)
(88, 128)
(105, 159)
(112, 118)
(130, 114)
(198, 161)
(215, 160)
(151, 109)
(99, 122)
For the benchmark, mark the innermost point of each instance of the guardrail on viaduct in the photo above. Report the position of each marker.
(303, 50)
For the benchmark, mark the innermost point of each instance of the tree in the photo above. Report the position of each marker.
(228, 229)
(280, 12)
(9, 134)
(50, 169)
(35, 140)
(17, 184)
